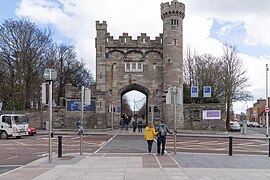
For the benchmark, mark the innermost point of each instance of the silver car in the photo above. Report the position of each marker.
(234, 126)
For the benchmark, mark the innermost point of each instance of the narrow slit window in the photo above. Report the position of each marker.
(154, 66)
(175, 42)
(125, 40)
(143, 40)
(172, 22)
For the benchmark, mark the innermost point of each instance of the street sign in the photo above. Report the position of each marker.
(266, 109)
(50, 74)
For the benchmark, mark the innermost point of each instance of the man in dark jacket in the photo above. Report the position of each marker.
(163, 129)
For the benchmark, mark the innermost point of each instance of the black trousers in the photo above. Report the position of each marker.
(161, 141)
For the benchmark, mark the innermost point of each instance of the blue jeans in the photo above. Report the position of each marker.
(150, 143)
(161, 141)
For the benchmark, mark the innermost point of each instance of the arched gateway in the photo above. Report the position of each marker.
(148, 66)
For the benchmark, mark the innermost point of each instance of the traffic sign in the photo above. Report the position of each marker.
(266, 109)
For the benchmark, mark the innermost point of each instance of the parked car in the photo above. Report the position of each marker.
(32, 131)
(254, 124)
(234, 126)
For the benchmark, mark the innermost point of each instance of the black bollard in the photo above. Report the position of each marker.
(269, 147)
(59, 146)
(230, 145)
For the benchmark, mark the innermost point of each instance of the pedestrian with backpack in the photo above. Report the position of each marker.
(149, 136)
(162, 130)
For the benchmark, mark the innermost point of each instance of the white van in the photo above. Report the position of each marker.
(13, 125)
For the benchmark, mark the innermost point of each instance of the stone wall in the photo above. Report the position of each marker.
(63, 119)
(193, 117)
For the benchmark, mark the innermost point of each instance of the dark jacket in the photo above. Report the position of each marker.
(165, 128)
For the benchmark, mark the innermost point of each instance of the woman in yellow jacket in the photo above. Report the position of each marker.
(149, 136)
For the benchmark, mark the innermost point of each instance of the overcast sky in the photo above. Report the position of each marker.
(207, 24)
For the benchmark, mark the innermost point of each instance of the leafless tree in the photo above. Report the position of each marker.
(234, 79)
(69, 70)
(225, 75)
(23, 49)
(25, 52)
(125, 106)
(202, 70)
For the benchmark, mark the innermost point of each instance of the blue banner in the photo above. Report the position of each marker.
(76, 106)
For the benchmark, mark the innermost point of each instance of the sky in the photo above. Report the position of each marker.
(206, 26)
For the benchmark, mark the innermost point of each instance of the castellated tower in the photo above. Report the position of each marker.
(100, 44)
(172, 16)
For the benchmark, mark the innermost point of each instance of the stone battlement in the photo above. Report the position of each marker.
(101, 25)
(126, 41)
(174, 9)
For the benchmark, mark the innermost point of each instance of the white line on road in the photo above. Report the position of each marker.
(12, 157)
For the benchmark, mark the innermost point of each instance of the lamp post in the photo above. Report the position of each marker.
(266, 106)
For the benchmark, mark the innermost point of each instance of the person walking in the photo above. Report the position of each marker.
(140, 125)
(149, 136)
(134, 124)
(162, 130)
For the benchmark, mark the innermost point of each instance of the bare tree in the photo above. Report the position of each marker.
(69, 70)
(23, 49)
(234, 79)
(202, 70)
(125, 106)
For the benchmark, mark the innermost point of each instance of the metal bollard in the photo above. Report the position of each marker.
(230, 145)
(59, 146)
(269, 147)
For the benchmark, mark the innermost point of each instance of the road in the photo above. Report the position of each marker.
(218, 145)
(18, 152)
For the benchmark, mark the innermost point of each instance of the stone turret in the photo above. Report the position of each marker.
(172, 16)
(101, 72)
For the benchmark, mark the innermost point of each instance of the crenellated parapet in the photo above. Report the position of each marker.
(126, 41)
(101, 25)
(174, 9)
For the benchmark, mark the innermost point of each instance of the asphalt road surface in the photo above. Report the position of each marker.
(18, 152)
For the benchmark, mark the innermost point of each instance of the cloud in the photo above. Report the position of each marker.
(75, 21)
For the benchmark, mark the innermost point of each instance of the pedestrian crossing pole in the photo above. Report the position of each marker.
(174, 110)
(82, 108)
(176, 94)
(266, 106)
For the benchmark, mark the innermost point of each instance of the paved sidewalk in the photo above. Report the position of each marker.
(133, 162)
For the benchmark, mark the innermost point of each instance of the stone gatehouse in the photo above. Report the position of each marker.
(148, 66)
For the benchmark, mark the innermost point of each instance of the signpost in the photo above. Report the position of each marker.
(85, 100)
(49, 75)
(177, 100)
